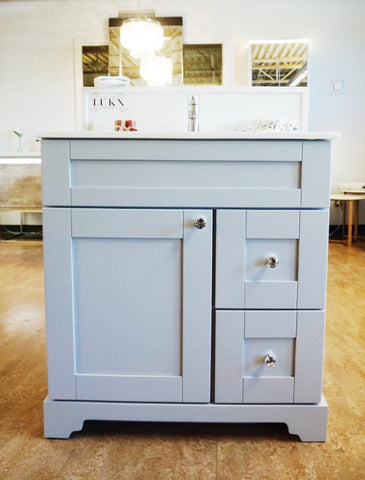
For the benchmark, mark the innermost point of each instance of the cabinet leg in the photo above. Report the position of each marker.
(309, 425)
(60, 419)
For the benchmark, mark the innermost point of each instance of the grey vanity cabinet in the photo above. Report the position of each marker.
(185, 280)
(135, 289)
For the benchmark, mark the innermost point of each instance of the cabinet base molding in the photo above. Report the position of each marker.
(308, 421)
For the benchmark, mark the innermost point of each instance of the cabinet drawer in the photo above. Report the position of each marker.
(268, 356)
(271, 259)
(185, 173)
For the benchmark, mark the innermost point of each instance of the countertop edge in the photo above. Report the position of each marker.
(194, 135)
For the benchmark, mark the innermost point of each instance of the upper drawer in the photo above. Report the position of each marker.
(271, 259)
(203, 150)
(186, 173)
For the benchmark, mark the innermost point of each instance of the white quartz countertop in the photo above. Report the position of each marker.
(196, 135)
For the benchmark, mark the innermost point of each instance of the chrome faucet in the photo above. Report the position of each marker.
(193, 113)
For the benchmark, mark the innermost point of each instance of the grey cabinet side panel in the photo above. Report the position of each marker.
(55, 172)
(316, 174)
(309, 357)
(197, 300)
(313, 253)
(229, 332)
(59, 303)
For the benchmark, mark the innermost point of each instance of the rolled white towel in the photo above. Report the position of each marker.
(115, 81)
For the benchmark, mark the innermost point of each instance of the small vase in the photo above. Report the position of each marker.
(20, 144)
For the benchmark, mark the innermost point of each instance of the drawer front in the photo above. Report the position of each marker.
(181, 149)
(271, 259)
(268, 356)
(188, 173)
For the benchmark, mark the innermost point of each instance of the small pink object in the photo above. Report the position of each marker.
(130, 124)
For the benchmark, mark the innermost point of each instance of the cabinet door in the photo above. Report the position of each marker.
(268, 356)
(271, 259)
(128, 295)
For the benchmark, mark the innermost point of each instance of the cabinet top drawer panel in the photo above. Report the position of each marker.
(186, 173)
(208, 150)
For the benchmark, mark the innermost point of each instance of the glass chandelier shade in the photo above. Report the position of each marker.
(156, 70)
(141, 36)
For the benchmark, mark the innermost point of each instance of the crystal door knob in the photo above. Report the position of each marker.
(272, 262)
(199, 223)
(270, 360)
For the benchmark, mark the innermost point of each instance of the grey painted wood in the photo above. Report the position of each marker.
(309, 356)
(242, 342)
(185, 174)
(230, 258)
(128, 302)
(186, 182)
(55, 172)
(270, 294)
(261, 383)
(224, 150)
(272, 224)
(316, 174)
(243, 279)
(258, 254)
(307, 421)
(57, 249)
(197, 312)
(115, 326)
(229, 340)
(312, 259)
(270, 324)
(129, 388)
(106, 270)
(297, 374)
(127, 223)
(316, 157)
(256, 350)
(268, 390)
(185, 197)
(181, 173)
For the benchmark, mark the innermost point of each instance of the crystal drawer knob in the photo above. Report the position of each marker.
(200, 223)
(270, 360)
(272, 262)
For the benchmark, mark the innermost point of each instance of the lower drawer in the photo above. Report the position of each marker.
(268, 356)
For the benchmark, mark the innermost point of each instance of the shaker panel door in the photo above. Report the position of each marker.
(140, 302)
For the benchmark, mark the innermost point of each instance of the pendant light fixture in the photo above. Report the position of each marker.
(156, 70)
(141, 36)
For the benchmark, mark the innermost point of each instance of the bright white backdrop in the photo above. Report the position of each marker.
(38, 41)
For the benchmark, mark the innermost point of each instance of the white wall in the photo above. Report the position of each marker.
(38, 75)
